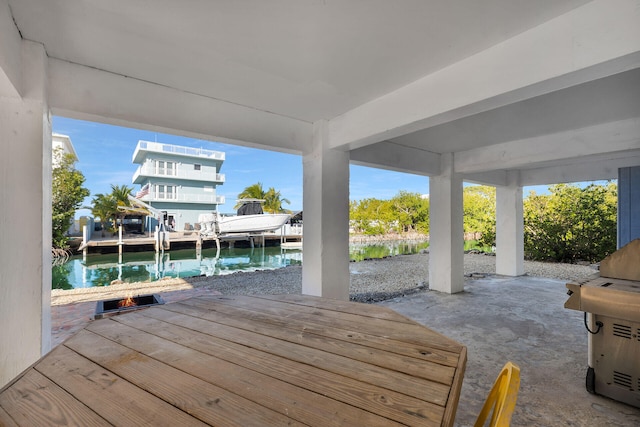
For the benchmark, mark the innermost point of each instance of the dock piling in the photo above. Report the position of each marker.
(120, 241)
(85, 241)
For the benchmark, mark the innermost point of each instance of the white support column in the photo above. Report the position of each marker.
(510, 227)
(25, 231)
(446, 247)
(325, 271)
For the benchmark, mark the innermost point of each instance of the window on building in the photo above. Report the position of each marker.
(167, 192)
(165, 168)
(196, 167)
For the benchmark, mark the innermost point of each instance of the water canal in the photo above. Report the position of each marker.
(101, 270)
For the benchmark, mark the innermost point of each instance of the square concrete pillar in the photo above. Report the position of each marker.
(446, 236)
(510, 228)
(325, 270)
(25, 209)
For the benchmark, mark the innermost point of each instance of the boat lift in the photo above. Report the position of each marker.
(161, 236)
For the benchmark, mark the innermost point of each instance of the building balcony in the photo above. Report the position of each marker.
(145, 171)
(183, 198)
(145, 147)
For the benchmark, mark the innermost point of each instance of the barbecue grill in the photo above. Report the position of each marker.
(612, 319)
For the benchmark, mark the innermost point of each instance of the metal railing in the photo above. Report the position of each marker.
(163, 196)
(176, 149)
(150, 170)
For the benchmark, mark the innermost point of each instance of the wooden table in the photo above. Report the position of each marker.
(244, 361)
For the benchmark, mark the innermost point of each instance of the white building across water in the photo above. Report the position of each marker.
(62, 142)
(179, 181)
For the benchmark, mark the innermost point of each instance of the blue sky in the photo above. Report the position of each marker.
(105, 152)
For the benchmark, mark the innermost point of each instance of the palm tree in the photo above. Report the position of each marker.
(273, 201)
(105, 207)
(121, 195)
(254, 191)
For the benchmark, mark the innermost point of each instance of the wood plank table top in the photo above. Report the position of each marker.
(244, 361)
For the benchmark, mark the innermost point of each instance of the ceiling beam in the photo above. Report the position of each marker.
(596, 40)
(391, 156)
(494, 178)
(82, 92)
(594, 169)
(525, 153)
(10, 54)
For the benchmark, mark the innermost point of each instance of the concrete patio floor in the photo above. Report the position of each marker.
(521, 320)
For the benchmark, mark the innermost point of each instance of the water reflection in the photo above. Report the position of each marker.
(361, 252)
(102, 270)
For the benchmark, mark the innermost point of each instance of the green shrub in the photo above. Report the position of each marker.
(571, 224)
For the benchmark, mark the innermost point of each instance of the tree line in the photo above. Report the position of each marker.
(569, 224)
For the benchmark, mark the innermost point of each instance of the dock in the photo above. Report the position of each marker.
(184, 240)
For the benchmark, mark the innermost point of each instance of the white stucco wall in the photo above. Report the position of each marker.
(25, 249)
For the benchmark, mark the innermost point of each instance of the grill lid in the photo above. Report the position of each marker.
(607, 297)
(623, 263)
(616, 293)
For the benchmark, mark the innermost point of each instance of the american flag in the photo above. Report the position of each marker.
(143, 191)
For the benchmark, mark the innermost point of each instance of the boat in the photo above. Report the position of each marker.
(252, 223)
(250, 219)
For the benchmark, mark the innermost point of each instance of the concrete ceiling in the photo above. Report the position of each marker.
(309, 59)
(561, 122)
(604, 100)
(261, 72)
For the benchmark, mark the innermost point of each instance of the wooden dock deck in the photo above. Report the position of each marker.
(182, 240)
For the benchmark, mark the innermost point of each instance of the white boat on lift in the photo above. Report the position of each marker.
(250, 219)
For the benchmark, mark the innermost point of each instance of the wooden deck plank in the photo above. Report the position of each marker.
(34, 400)
(284, 320)
(409, 333)
(417, 387)
(390, 404)
(454, 395)
(208, 402)
(280, 327)
(5, 419)
(292, 401)
(240, 361)
(108, 395)
(366, 310)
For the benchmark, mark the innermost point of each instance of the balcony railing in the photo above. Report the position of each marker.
(150, 170)
(176, 149)
(161, 196)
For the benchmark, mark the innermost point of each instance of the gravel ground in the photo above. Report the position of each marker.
(371, 281)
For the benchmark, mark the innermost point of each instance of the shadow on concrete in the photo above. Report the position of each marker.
(521, 320)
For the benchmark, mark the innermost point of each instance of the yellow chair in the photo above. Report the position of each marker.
(502, 398)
